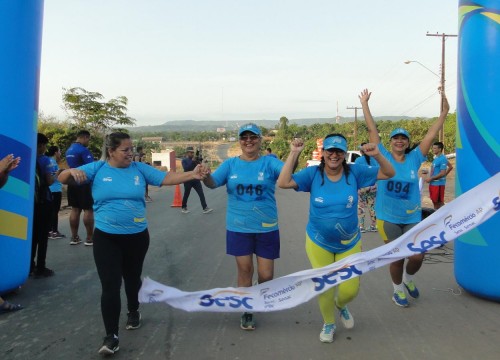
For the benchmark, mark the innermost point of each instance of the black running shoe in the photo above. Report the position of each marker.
(134, 320)
(109, 345)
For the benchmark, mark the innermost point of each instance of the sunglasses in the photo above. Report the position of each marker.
(336, 151)
(249, 137)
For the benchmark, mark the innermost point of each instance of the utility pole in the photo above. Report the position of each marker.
(441, 87)
(355, 124)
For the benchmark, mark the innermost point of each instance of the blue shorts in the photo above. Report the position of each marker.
(265, 245)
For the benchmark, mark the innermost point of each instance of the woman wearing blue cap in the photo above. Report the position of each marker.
(252, 215)
(332, 232)
(398, 205)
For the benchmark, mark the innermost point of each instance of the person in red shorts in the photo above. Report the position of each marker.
(437, 179)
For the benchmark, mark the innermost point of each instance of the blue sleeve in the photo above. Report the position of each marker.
(304, 178)
(87, 157)
(277, 165)
(91, 169)
(418, 156)
(221, 174)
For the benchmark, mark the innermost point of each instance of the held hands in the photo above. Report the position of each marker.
(201, 171)
(9, 163)
(364, 97)
(370, 149)
(297, 145)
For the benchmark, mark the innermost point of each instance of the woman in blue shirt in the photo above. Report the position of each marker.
(252, 215)
(332, 232)
(398, 205)
(121, 237)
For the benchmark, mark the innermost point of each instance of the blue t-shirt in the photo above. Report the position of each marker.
(250, 185)
(439, 164)
(398, 198)
(56, 185)
(118, 193)
(333, 206)
(78, 155)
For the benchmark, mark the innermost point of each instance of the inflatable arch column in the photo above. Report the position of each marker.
(477, 254)
(20, 46)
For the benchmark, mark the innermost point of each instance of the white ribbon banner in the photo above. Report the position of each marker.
(456, 218)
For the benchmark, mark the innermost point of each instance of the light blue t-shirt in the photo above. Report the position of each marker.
(333, 206)
(398, 198)
(362, 161)
(56, 185)
(119, 205)
(439, 164)
(250, 185)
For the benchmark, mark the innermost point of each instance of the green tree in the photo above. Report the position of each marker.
(90, 111)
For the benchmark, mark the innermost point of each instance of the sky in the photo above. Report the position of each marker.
(250, 59)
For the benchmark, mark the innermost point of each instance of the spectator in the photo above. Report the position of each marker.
(269, 152)
(121, 236)
(188, 164)
(42, 210)
(54, 155)
(366, 196)
(437, 177)
(80, 195)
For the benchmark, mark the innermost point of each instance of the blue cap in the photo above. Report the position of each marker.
(400, 131)
(335, 142)
(250, 127)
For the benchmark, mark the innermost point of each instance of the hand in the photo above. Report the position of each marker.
(9, 163)
(297, 145)
(198, 173)
(78, 175)
(364, 97)
(428, 180)
(446, 105)
(370, 149)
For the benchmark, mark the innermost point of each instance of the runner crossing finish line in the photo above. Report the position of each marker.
(456, 218)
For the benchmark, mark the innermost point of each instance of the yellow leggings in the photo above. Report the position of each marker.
(346, 291)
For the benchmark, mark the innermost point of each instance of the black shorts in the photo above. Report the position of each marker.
(80, 196)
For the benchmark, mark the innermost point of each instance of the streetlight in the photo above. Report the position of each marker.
(418, 62)
(441, 89)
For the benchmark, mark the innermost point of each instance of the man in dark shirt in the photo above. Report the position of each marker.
(80, 196)
(188, 164)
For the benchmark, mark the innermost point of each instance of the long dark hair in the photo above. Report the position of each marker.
(114, 140)
(345, 166)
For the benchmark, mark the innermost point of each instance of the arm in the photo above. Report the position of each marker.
(426, 143)
(364, 97)
(285, 180)
(450, 167)
(386, 170)
(72, 176)
(174, 178)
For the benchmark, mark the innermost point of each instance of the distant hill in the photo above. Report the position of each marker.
(212, 125)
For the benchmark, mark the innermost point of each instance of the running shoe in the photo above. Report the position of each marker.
(88, 242)
(412, 289)
(207, 210)
(346, 318)
(43, 273)
(133, 320)
(148, 199)
(399, 299)
(109, 345)
(75, 240)
(247, 322)
(362, 229)
(184, 211)
(373, 228)
(327, 333)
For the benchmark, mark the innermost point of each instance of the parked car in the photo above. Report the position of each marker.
(350, 158)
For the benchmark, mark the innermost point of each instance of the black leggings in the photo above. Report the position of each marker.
(54, 214)
(117, 256)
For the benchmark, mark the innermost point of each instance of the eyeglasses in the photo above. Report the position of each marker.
(336, 151)
(126, 150)
(249, 137)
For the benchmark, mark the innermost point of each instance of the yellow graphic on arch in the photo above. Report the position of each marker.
(13, 225)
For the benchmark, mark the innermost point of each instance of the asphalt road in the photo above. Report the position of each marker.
(62, 316)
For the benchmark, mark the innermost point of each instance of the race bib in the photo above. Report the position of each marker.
(398, 189)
